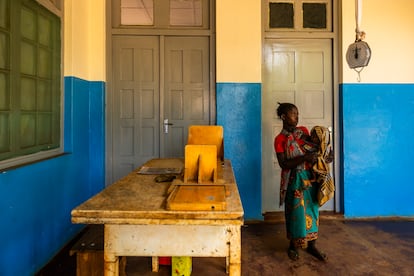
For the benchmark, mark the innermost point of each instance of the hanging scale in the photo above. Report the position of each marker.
(358, 54)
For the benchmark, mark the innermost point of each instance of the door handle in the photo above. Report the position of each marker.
(166, 124)
(330, 133)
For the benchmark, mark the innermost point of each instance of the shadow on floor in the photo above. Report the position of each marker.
(353, 248)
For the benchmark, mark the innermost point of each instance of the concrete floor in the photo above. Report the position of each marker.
(352, 247)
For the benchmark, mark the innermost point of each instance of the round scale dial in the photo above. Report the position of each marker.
(358, 54)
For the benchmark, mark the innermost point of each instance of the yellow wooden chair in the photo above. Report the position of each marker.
(207, 135)
(200, 164)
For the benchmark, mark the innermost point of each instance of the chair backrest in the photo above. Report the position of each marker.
(200, 164)
(207, 135)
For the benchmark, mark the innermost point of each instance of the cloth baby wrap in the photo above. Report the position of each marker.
(321, 168)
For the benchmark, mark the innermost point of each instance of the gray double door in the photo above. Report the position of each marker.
(160, 86)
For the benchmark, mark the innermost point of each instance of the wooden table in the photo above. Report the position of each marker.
(137, 222)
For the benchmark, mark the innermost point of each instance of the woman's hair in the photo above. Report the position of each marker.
(284, 108)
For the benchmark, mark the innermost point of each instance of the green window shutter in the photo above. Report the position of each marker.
(30, 79)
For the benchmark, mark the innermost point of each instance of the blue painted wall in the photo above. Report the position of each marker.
(375, 117)
(37, 199)
(377, 152)
(239, 112)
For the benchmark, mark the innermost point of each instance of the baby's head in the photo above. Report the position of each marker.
(314, 138)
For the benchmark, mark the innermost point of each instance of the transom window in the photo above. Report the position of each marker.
(135, 12)
(30, 81)
(299, 15)
(164, 14)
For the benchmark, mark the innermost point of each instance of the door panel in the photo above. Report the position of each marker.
(300, 72)
(135, 102)
(187, 90)
(149, 86)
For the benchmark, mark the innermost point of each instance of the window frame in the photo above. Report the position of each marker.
(55, 7)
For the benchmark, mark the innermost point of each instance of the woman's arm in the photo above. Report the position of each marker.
(285, 163)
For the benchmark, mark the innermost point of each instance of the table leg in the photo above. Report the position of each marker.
(155, 264)
(227, 265)
(234, 259)
(111, 266)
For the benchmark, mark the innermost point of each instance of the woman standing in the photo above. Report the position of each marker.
(298, 189)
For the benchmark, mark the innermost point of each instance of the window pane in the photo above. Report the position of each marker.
(27, 58)
(44, 64)
(4, 15)
(4, 133)
(4, 51)
(45, 30)
(186, 13)
(4, 93)
(28, 94)
(28, 24)
(27, 130)
(281, 15)
(314, 15)
(137, 12)
(44, 96)
(44, 129)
